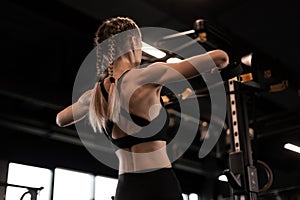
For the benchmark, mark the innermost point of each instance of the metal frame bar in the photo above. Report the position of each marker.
(242, 174)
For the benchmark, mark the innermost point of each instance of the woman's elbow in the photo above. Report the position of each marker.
(62, 120)
(59, 120)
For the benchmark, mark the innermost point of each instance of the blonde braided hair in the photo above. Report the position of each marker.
(100, 110)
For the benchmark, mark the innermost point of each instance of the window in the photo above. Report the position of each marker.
(185, 197)
(193, 196)
(105, 187)
(29, 176)
(73, 185)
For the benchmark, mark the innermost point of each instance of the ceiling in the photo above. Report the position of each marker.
(44, 43)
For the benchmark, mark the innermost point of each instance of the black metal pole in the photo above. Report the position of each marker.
(242, 174)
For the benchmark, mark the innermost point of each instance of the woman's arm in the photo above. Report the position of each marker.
(74, 112)
(162, 73)
(192, 66)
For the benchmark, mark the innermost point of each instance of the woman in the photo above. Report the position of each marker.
(127, 99)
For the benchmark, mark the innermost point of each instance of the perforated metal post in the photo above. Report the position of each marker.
(242, 174)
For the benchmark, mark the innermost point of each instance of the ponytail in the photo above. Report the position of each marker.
(114, 103)
(97, 111)
(102, 111)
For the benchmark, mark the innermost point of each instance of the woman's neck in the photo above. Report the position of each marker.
(121, 65)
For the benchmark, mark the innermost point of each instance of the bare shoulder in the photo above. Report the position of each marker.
(149, 72)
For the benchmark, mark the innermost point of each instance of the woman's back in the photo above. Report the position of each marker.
(144, 105)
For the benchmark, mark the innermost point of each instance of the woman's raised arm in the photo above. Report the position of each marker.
(161, 72)
(74, 112)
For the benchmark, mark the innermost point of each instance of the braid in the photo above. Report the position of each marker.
(111, 57)
(101, 69)
(100, 110)
(111, 49)
(113, 95)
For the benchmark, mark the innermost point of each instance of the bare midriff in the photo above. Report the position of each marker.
(143, 156)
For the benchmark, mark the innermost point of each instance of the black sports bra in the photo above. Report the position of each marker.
(133, 139)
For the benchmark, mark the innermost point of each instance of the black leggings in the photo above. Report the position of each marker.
(161, 184)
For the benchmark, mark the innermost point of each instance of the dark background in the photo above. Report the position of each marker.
(44, 42)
